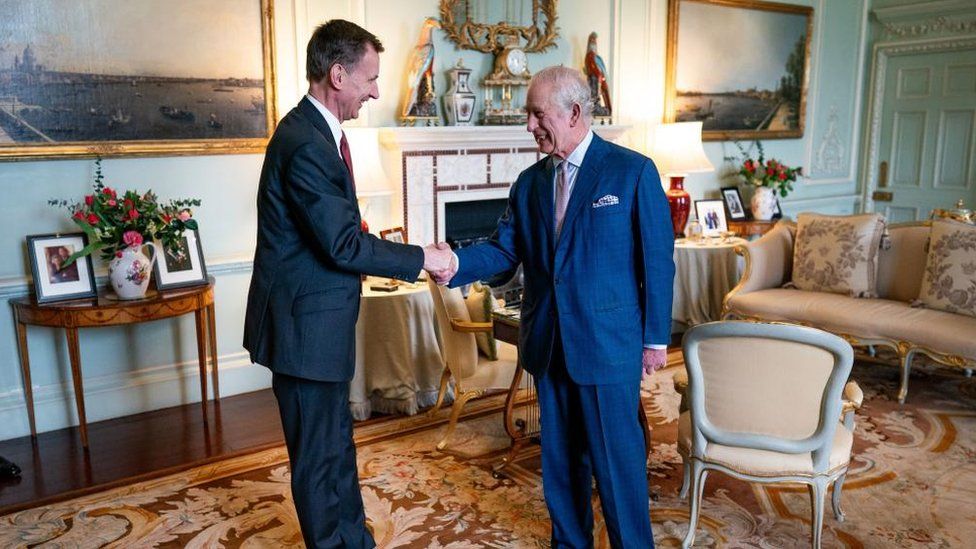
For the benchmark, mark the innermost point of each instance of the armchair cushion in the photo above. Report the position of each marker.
(763, 463)
(480, 304)
(949, 283)
(837, 254)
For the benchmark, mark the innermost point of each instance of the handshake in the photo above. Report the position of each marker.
(440, 262)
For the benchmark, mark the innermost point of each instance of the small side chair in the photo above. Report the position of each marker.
(764, 404)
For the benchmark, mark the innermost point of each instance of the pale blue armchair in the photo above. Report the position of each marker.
(764, 404)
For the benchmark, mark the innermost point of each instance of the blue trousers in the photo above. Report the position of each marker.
(324, 479)
(592, 431)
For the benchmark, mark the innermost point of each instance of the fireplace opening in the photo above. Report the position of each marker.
(473, 221)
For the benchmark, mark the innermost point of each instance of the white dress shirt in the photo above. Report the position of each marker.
(334, 125)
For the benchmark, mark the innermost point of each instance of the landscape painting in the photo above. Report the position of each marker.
(116, 77)
(738, 66)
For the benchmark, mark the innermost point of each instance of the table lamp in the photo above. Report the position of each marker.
(677, 150)
(371, 178)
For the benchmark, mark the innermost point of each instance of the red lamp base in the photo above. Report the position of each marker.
(680, 202)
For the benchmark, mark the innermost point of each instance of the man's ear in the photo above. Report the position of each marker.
(575, 114)
(336, 76)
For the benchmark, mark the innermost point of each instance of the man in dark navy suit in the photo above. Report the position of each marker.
(591, 227)
(304, 296)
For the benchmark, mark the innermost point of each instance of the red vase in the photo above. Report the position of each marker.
(680, 202)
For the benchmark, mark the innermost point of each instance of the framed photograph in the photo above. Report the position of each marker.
(739, 66)
(180, 266)
(52, 281)
(396, 234)
(711, 216)
(777, 213)
(120, 78)
(733, 203)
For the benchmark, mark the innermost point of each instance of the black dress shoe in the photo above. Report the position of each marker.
(8, 469)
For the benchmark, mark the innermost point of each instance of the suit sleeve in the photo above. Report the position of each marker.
(656, 255)
(499, 254)
(317, 199)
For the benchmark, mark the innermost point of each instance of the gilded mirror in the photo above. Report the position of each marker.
(491, 25)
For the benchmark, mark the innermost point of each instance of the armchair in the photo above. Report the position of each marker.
(764, 404)
(472, 373)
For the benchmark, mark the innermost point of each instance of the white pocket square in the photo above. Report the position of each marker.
(606, 200)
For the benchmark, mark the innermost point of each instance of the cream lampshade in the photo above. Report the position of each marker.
(372, 181)
(677, 150)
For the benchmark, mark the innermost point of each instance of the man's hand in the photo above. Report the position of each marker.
(440, 262)
(654, 360)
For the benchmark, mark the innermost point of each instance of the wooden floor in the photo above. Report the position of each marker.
(137, 447)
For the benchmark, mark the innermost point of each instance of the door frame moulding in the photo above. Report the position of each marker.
(879, 67)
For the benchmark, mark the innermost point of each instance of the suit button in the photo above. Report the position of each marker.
(557, 280)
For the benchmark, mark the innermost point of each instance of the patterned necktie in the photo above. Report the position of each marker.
(562, 195)
(347, 158)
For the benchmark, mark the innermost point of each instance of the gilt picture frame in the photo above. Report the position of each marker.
(114, 78)
(740, 66)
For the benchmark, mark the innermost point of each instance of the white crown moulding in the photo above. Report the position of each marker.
(472, 137)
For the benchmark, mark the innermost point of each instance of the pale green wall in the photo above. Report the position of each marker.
(128, 370)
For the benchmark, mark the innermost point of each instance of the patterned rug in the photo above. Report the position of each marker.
(912, 484)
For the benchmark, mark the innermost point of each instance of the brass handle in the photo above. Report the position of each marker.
(883, 174)
(882, 196)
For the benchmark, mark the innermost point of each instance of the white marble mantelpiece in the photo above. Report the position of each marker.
(438, 165)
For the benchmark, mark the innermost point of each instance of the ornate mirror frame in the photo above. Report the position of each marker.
(488, 38)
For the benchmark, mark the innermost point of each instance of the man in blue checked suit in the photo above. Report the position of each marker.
(590, 225)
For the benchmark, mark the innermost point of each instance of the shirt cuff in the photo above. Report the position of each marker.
(654, 346)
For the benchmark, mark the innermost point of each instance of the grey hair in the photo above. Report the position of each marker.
(568, 87)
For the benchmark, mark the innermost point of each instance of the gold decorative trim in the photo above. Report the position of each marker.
(488, 38)
(671, 60)
(165, 147)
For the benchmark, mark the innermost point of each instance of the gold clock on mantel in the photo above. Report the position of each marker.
(525, 26)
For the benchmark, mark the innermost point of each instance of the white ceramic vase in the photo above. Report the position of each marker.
(129, 274)
(763, 203)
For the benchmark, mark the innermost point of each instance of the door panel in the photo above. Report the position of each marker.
(928, 134)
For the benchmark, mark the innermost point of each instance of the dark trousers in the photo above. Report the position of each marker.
(592, 431)
(324, 479)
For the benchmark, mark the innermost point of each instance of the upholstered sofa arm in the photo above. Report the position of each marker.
(769, 261)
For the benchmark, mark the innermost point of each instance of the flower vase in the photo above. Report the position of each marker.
(129, 272)
(763, 203)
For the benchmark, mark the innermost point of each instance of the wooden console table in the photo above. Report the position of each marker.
(110, 311)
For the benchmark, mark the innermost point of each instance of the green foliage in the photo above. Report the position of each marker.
(760, 172)
(114, 223)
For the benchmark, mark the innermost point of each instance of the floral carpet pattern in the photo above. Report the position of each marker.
(912, 484)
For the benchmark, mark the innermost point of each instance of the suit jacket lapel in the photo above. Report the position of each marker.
(545, 201)
(313, 115)
(586, 180)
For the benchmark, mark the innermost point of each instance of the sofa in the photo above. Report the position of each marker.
(890, 318)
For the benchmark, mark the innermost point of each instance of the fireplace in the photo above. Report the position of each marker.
(471, 221)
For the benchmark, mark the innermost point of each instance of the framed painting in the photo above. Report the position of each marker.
(119, 78)
(53, 281)
(182, 265)
(741, 67)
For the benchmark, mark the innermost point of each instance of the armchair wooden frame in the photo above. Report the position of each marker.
(819, 444)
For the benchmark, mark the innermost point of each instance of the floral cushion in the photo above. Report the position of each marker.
(837, 254)
(480, 304)
(949, 283)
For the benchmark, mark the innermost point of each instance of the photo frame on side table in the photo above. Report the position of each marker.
(396, 234)
(181, 267)
(51, 283)
(711, 215)
(733, 204)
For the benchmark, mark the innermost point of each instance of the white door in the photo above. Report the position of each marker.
(927, 140)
